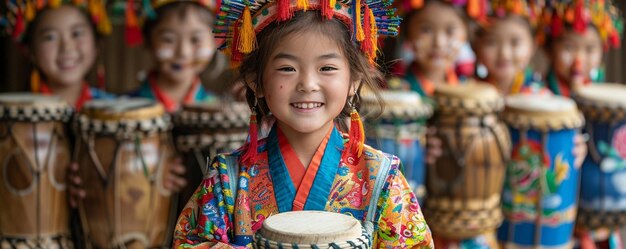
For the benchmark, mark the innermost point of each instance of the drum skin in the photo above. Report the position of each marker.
(126, 204)
(465, 183)
(34, 156)
(602, 190)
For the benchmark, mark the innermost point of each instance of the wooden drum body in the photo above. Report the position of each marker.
(311, 229)
(603, 182)
(203, 130)
(400, 130)
(34, 155)
(123, 151)
(465, 183)
(540, 190)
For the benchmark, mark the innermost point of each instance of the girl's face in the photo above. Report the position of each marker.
(306, 82)
(574, 55)
(505, 48)
(182, 46)
(64, 45)
(436, 35)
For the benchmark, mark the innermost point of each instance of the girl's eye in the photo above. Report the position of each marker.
(48, 37)
(425, 30)
(450, 30)
(287, 69)
(328, 68)
(77, 33)
(196, 40)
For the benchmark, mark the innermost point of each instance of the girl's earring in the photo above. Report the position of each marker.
(356, 134)
(481, 71)
(35, 81)
(250, 155)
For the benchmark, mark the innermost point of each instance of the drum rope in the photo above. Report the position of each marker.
(20, 149)
(591, 144)
(81, 207)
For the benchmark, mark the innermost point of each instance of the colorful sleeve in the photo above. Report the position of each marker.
(204, 222)
(401, 223)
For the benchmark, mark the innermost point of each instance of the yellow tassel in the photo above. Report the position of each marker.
(35, 81)
(54, 3)
(247, 37)
(359, 28)
(30, 11)
(303, 5)
(332, 4)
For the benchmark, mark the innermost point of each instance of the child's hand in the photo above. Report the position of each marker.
(433, 146)
(75, 188)
(175, 176)
(580, 150)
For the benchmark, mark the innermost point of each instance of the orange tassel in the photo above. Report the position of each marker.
(417, 4)
(41, 4)
(473, 8)
(30, 11)
(373, 36)
(356, 135)
(359, 27)
(35, 81)
(54, 3)
(247, 37)
(249, 156)
(302, 5)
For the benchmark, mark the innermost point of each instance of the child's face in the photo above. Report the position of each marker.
(574, 55)
(182, 46)
(505, 48)
(64, 45)
(436, 35)
(306, 82)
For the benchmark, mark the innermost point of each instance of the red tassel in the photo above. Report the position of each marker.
(132, 34)
(284, 10)
(235, 54)
(586, 242)
(100, 75)
(327, 11)
(250, 155)
(557, 25)
(614, 39)
(19, 25)
(579, 18)
(356, 135)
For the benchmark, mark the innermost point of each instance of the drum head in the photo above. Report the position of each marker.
(470, 98)
(608, 94)
(311, 227)
(122, 108)
(33, 107)
(397, 104)
(541, 112)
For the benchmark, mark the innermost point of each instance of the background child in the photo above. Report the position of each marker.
(61, 40)
(179, 38)
(575, 34)
(307, 71)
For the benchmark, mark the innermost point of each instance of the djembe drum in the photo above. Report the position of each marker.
(123, 151)
(400, 129)
(311, 229)
(202, 130)
(540, 190)
(603, 182)
(33, 161)
(465, 183)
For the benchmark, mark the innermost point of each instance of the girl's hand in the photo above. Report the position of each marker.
(175, 176)
(580, 149)
(75, 188)
(433, 146)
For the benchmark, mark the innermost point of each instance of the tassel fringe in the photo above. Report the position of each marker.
(356, 135)
(247, 37)
(250, 155)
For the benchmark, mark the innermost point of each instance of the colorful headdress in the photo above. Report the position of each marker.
(240, 20)
(529, 9)
(135, 12)
(20, 13)
(475, 9)
(579, 14)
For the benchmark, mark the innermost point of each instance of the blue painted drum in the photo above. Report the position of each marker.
(603, 183)
(541, 184)
(400, 130)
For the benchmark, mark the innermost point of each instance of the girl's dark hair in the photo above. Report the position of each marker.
(29, 35)
(251, 70)
(179, 8)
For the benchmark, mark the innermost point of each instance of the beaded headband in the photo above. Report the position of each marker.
(18, 14)
(239, 21)
(579, 14)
